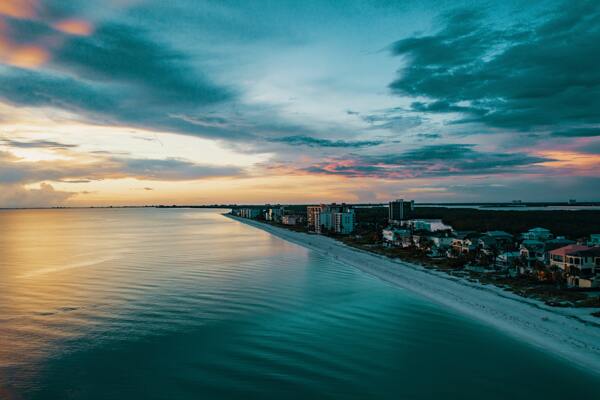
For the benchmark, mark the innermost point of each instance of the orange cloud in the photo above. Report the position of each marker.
(18, 8)
(572, 160)
(77, 27)
(38, 52)
(27, 56)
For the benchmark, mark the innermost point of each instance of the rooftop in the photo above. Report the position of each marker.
(562, 251)
(590, 252)
(539, 230)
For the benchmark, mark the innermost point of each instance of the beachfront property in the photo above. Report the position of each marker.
(335, 218)
(594, 240)
(436, 244)
(313, 214)
(536, 253)
(399, 210)
(507, 260)
(250, 213)
(343, 222)
(539, 234)
(464, 243)
(533, 252)
(582, 267)
(397, 237)
(429, 225)
(559, 257)
(274, 214)
(292, 219)
(579, 264)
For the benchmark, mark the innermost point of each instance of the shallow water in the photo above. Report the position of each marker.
(187, 304)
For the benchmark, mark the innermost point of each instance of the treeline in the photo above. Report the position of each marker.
(572, 224)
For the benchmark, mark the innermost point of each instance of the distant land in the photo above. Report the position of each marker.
(516, 205)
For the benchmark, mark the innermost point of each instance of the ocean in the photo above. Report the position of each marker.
(187, 304)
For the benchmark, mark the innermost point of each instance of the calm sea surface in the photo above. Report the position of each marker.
(187, 304)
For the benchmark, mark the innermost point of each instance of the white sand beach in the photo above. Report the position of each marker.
(570, 333)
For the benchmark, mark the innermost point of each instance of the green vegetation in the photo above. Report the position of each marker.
(572, 224)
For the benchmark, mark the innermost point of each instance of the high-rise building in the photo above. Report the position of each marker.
(313, 218)
(343, 222)
(333, 217)
(399, 210)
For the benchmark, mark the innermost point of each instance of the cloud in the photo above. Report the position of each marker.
(120, 53)
(317, 142)
(117, 74)
(431, 161)
(32, 144)
(578, 132)
(523, 77)
(429, 136)
(18, 171)
(393, 119)
(46, 196)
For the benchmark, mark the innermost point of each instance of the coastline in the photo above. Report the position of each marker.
(569, 333)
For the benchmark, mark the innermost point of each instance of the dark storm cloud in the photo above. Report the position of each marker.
(520, 77)
(431, 161)
(317, 142)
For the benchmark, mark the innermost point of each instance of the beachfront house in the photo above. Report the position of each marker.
(464, 243)
(558, 258)
(582, 267)
(553, 244)
(507, 260)
(396, 237)
(540, 234)
(438, 242)
(594, 240)
(487, 244)
(503, 240)
(533, 252)
(429, 225)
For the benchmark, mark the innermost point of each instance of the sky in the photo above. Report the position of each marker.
(141, 102)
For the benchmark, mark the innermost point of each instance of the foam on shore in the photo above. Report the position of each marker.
(570, 333)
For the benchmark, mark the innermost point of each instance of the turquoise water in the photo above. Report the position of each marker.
(187, 304)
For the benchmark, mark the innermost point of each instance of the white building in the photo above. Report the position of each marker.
(397, 237)
(430, 225)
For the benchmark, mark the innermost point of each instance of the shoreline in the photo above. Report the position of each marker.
(571, 334)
